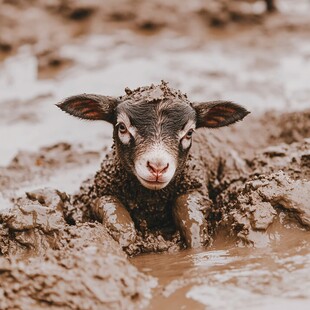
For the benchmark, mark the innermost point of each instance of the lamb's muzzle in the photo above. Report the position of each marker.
(155, 168)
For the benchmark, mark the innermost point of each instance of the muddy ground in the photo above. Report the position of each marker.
(52, 255)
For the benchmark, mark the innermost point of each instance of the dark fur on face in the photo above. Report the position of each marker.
(159, 121)
(153, 127)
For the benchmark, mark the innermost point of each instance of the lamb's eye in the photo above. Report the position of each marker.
(122, 128)
(189, 134)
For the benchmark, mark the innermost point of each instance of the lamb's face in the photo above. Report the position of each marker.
(153, 127)
(153, 139)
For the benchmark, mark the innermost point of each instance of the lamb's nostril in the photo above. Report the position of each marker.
(157, 169)
(165, 168)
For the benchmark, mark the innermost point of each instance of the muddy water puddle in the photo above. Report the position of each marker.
(275, 277)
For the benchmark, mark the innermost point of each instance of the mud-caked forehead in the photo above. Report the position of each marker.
(159, 119)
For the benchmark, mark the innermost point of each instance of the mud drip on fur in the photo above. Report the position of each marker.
(154, 178)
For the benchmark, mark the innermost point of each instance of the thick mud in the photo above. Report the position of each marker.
(55, 253)
(48, 263)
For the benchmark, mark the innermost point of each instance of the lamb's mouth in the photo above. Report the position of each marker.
(154, 185)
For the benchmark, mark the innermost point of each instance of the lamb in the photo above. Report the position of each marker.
(153, 177)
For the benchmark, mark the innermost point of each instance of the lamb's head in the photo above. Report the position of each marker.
(153, 127)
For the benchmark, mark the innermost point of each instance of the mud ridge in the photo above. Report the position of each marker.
(47, 263)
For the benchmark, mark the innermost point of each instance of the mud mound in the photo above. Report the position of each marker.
(276, 190)
(33, 225)
(94, 277)
(54, 265)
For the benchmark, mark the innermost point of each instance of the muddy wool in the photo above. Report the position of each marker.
(153, 176)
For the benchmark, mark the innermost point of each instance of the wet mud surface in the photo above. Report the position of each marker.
(47, 263)
(56, 253)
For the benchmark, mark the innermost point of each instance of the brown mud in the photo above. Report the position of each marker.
(54, 255)
(48, 263)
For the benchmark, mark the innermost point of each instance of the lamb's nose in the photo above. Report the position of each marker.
(157, 169)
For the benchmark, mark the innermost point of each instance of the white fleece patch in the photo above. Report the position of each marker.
(157, 155)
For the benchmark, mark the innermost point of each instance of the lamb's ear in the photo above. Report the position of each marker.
(218, 113)
(91, 107)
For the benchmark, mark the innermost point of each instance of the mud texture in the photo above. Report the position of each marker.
(47, 263)
(277, 188)
(31, 167)
(256, 189)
